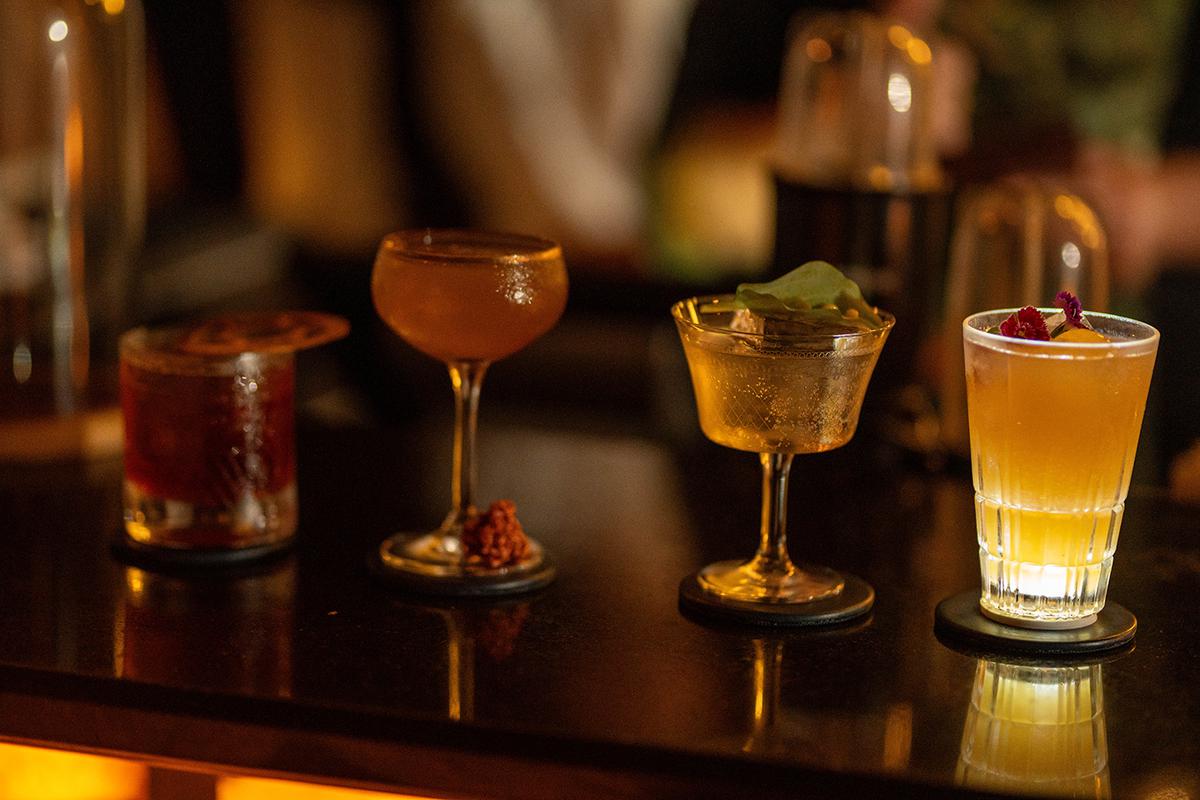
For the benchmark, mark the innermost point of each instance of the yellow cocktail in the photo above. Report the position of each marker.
(1054, 429)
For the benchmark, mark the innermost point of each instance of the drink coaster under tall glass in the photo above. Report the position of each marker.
(960, 619)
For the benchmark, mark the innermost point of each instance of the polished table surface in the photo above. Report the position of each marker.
(597, 686)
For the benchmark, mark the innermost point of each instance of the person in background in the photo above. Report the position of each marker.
(544, 112)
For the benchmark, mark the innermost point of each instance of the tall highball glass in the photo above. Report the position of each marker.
(1054, 429)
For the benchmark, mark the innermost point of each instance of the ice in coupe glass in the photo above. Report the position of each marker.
(1054, 426)
(780, 369)
(467, 298)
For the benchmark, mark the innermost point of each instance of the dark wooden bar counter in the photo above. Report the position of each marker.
(597, 686)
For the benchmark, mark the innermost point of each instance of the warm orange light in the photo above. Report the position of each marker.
(899, 36)
(818, 50)
(1064, 204)
(37, 773)
(135, 582)
(1073, 209)
(918, 51)
(897, 736)
(880, 177)
(114, 7)
(242, 788)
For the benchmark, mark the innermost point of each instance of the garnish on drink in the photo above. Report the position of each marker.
(1069, 324)
(813, 298)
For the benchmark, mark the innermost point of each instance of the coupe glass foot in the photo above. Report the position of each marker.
(742, 581)
(433, 563)
(853, 599)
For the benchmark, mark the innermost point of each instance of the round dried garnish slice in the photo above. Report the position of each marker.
(262, 332)
(1083, 335)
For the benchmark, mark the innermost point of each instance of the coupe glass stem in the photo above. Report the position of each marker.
(467, 378)
(772, 560)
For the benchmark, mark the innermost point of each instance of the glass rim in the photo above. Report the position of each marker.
(980, 336)
(154, 348)
(428, 244)
(677, 312)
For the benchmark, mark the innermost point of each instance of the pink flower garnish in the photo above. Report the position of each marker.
(1025, 324)
(1072, 308)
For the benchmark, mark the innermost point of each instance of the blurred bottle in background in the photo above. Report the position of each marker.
(1018, 241)
(856, 172)
(72, 211)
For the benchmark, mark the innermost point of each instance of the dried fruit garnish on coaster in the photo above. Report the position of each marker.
(495, 538)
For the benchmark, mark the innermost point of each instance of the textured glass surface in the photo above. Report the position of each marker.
(1054, 429)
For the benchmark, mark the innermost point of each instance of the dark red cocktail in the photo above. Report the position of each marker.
(210, 458)
(210, 453)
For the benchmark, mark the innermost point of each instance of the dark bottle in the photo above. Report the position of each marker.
(857, 179)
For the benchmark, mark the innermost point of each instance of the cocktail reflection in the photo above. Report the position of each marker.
(780, 716)
(1036, 730)
(212, 632)
(768, 658)
(489, 631)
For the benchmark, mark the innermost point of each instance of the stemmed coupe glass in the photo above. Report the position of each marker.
(775, 394)
(467, 298)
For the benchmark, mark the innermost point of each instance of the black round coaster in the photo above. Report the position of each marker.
(959, 618)
(855, 599)
(466, 586)
(149, 557)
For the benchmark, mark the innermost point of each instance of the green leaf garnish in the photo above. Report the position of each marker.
(815, 290)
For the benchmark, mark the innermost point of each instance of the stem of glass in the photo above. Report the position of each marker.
(467, 378)
(772, 559)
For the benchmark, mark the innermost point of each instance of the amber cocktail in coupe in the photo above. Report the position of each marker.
(468, 298)
(780, 369)
(1054, 423)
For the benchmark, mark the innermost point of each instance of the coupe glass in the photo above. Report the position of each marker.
(776, 395)
(467, 298)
